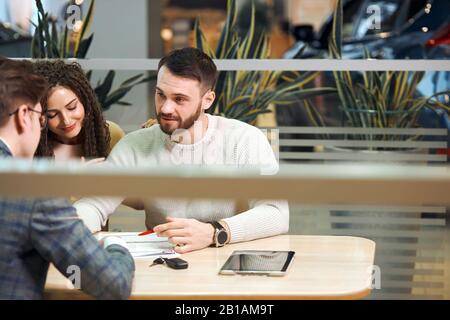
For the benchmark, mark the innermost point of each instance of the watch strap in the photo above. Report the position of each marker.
(217, 225)
(217, 228)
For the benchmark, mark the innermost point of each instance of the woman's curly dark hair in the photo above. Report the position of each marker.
(95, 133)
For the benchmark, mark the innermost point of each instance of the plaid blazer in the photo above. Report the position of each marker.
(35, 232)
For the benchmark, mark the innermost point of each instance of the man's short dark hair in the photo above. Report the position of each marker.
(191, 63)
(18, 85)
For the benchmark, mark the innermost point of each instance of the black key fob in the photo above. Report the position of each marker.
(176, 263)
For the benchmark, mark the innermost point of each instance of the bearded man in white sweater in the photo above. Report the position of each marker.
(186, 135)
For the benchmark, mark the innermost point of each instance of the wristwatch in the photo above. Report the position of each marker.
(220, 234)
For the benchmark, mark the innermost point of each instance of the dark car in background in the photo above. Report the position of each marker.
(407, 29)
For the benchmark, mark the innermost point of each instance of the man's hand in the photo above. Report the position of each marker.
(187, 234)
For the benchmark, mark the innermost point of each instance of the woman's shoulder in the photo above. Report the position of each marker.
(115, 132)
(142, 140)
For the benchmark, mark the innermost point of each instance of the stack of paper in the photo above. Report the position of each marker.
(145, 246)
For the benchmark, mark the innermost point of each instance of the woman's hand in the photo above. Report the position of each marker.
(93, 161)
(149, 123)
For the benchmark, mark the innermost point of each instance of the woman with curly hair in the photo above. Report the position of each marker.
(76, 126)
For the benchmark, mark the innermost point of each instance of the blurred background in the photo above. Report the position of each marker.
(296, 29)
(412, 242)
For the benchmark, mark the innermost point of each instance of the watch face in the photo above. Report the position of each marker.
(222, 237)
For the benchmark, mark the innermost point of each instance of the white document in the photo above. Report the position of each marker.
(144, 246)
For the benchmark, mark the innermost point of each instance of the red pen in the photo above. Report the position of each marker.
(146, 232)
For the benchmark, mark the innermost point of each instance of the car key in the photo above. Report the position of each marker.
(157, 261)
(176, 263)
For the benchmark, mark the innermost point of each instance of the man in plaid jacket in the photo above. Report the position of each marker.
(36, 232)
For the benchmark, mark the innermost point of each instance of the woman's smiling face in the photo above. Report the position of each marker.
(65, 114)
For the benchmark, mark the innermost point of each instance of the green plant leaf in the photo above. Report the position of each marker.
(102, 90)
(227, 32)
(85, 44)
(63, 44)
(306, 94)
(115, 96)
(89, 75)
(335, 42)
(129, 81)
(200, 41)
(123, 103)
(86, 24)
(248, 41)
(54, 40)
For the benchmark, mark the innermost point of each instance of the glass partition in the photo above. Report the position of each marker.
(343, 112)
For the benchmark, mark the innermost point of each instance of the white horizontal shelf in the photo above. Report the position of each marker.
(277, 64)
(308, 184)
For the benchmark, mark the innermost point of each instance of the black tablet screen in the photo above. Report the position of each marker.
(259, 261)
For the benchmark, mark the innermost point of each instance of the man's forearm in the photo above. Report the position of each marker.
(95, 211)
(266, 219)
(90, 216)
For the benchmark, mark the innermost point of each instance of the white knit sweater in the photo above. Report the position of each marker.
(226, 142)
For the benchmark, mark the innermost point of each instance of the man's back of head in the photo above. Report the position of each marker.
(20, 89)
(18, 85)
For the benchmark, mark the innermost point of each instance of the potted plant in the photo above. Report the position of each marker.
(381, 99)
(49, 43)
(245, 95)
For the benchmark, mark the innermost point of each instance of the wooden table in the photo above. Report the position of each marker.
(325, 267)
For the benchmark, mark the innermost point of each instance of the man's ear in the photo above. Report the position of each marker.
(208, 99)
(22, 119)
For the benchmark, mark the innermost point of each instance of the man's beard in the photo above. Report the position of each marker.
(186, 124)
